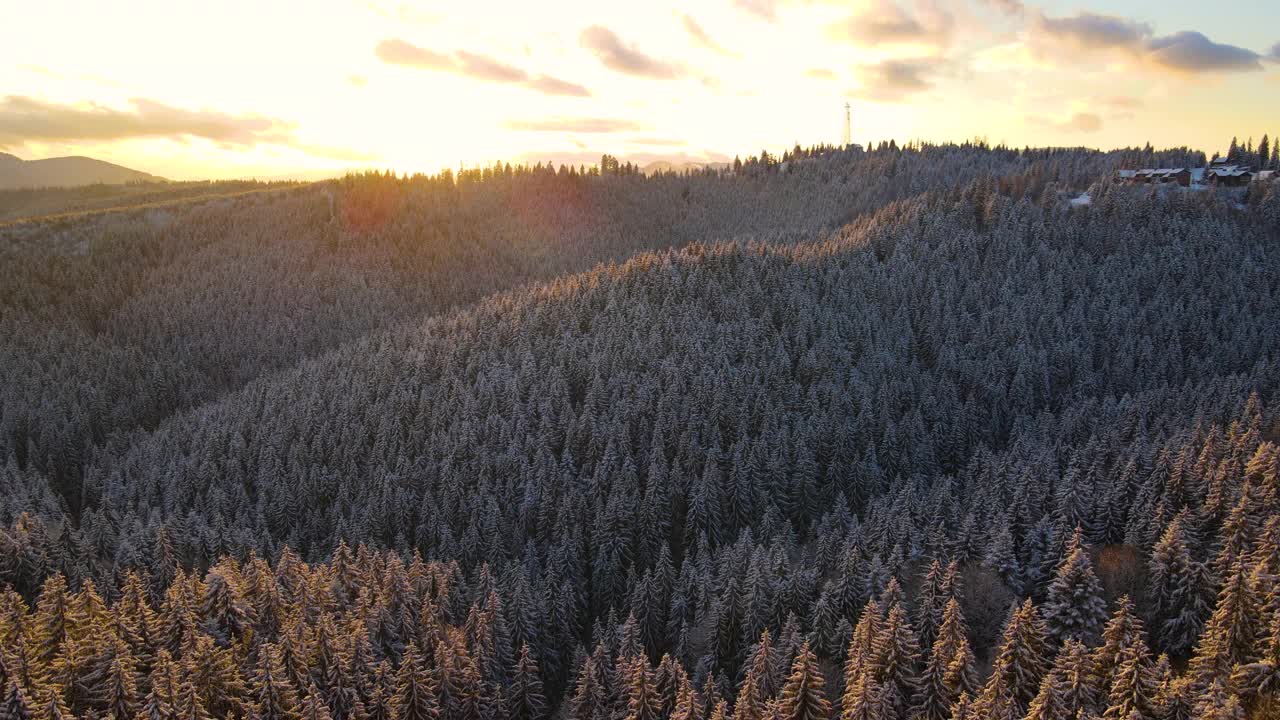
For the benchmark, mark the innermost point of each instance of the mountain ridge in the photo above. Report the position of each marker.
(67, 171)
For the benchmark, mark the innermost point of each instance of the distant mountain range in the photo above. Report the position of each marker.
(65, 172)
(665, 166)
(75, 171)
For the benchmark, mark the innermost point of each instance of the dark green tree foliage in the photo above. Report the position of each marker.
(275, 697)
(758, 686)
(16, 706)
(1069, 689)
(1073, 607)
(803, 696)
(891, 370)
(897, 654)
(1123, 631)
(1231, 635)
(643, 701)
(1180, 588)
(1133, 684)
(415, 689)
(866, 699)
(525, 699)
(191, 707)
(1018, 668)
(686, 706)
(950, 669)
(591, 699)
(1259, 682)
(120, 685)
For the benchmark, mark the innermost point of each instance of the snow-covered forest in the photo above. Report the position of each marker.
(902, 434)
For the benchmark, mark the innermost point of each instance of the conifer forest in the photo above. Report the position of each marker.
(921, 432)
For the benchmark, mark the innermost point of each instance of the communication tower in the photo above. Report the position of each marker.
(848, 138)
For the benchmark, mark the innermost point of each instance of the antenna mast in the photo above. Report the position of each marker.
(848, 138)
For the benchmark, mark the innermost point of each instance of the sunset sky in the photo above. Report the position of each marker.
(235, 88)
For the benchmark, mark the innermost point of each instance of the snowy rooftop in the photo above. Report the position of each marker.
(1197, 174)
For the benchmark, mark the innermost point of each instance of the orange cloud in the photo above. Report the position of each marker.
(25, 119)
(884, 22)
(621, 57)
(394, 51)
(898, 79)
(1186, 52)
(578, 125)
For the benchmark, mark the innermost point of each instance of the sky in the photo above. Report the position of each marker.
(191, 90)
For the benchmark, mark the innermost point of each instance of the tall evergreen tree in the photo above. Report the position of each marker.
(1231, 634)
(162, 699)
(860, 659)
(643, 702)
(525, 699)
(760, 683)
(1123, 630)
(687, 705)
(1068, 691)
(590, 697)
(190, 706)
(803, 696)
(866, 700)
(1259, 682)
(930, 600)
(897, 655)
(1073, 606)
(1179, 588)
(415, 693)
(949, 671)
(314, 706)
(1217, 703)
(217, 679)
(15, 705)
(1175, 696)
(1050, 702)
(460, 688)
(274, 696)
(381, 701)
(52, 708)
(52, 621)
(1019, 666)
(121, 684)
(1134, 685)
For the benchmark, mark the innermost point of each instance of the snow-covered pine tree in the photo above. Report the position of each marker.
(1073, 607)
(415, 688)
(949, 671)
(803, 696)
(1230, 636)
(897, 654)
(1020, 664)
(1179, 587)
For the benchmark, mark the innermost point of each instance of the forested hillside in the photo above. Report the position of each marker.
(896, 435)
(43, 203)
